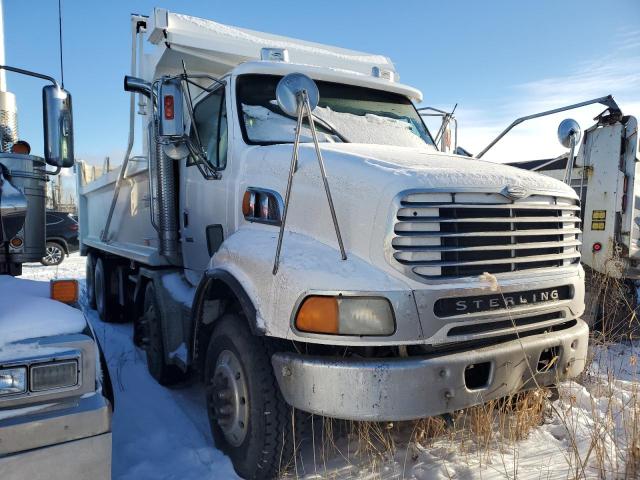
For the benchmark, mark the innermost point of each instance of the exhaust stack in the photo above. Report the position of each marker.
(8, 106)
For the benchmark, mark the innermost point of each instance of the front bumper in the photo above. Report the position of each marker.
(71, 439)
(88, 458)
(414, 387)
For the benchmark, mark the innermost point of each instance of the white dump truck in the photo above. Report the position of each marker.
(291, 232)
(55, 394)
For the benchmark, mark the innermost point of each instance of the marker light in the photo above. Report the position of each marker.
(168, 107)
(597, 247)
(16, 242)
(21, 147)
(346, 316)
(13, 380)
(65, 291)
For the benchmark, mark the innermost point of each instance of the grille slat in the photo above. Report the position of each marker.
(402, 258)
(483, 248)
(565, 219)
(507, 206)
(446, 238)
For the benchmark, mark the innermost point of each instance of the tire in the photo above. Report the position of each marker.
(162, 372)
(54, 254)
(89, 285)
(249, 419)
(104, 288)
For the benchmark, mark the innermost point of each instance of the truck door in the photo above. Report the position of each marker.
(203, 202)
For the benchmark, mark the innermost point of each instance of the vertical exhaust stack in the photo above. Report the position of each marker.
(8, 106)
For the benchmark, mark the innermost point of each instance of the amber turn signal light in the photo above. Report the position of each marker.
(65, 291)
(318, 315)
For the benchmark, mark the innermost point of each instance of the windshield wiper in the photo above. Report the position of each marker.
(329, 127)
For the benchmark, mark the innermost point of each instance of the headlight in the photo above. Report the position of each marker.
(54, 375)
(346, 316)
(13, 380)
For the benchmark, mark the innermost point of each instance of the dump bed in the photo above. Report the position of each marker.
(215, 48)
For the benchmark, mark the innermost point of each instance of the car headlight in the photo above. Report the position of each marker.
(345, 315)
(13, 380)
(50, 376)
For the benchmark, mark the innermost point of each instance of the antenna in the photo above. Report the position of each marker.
(60, 39)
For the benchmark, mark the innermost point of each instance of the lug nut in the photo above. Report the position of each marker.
(226, 410)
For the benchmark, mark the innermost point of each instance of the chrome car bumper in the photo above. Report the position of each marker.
(65, 440)
(414, 387)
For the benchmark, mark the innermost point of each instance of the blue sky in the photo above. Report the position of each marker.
(496, 59)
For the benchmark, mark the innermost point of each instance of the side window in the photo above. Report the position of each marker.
(211, 122)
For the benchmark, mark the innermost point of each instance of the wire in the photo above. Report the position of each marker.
(60, 39)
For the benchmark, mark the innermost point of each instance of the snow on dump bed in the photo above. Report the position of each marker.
(240, 42)
(27, 312)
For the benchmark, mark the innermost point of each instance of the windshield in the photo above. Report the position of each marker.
(345, 113)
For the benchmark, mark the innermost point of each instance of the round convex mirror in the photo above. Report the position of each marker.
(567, 130)
(289, 89)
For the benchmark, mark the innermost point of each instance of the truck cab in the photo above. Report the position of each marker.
(365, 276)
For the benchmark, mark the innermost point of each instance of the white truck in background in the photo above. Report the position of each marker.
(357, 273)
(55, 396)
(603, 173)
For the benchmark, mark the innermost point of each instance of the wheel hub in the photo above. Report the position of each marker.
(230, 400)
(53, 255)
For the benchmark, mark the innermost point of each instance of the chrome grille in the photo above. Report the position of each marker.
(455, 235)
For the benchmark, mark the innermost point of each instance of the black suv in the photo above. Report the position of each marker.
(62, 237)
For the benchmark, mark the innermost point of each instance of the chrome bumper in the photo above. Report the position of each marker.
(415, 387)
(88, 458)
(66, 440)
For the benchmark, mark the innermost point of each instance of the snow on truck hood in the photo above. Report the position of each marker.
(426, 168)
(27, 313)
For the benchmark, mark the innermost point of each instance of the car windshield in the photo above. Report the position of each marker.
(344, 113)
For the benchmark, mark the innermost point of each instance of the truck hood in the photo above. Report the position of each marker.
(432, 169)
(365, 180)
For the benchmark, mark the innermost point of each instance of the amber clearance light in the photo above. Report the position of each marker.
(65, 291)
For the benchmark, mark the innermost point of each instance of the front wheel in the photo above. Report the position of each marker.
(250, 421)
(54, 254)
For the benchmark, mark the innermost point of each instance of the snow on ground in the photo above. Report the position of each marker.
(158, 432)
(162, 433)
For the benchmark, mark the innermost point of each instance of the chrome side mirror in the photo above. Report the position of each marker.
(569, 135)
(58, 126)
(289, 89)
(569, 131)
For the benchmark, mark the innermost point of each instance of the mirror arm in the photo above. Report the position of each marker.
(55, 172)
(30, 74)
(607, 101)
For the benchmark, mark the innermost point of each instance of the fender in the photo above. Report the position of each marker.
(213, 285)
